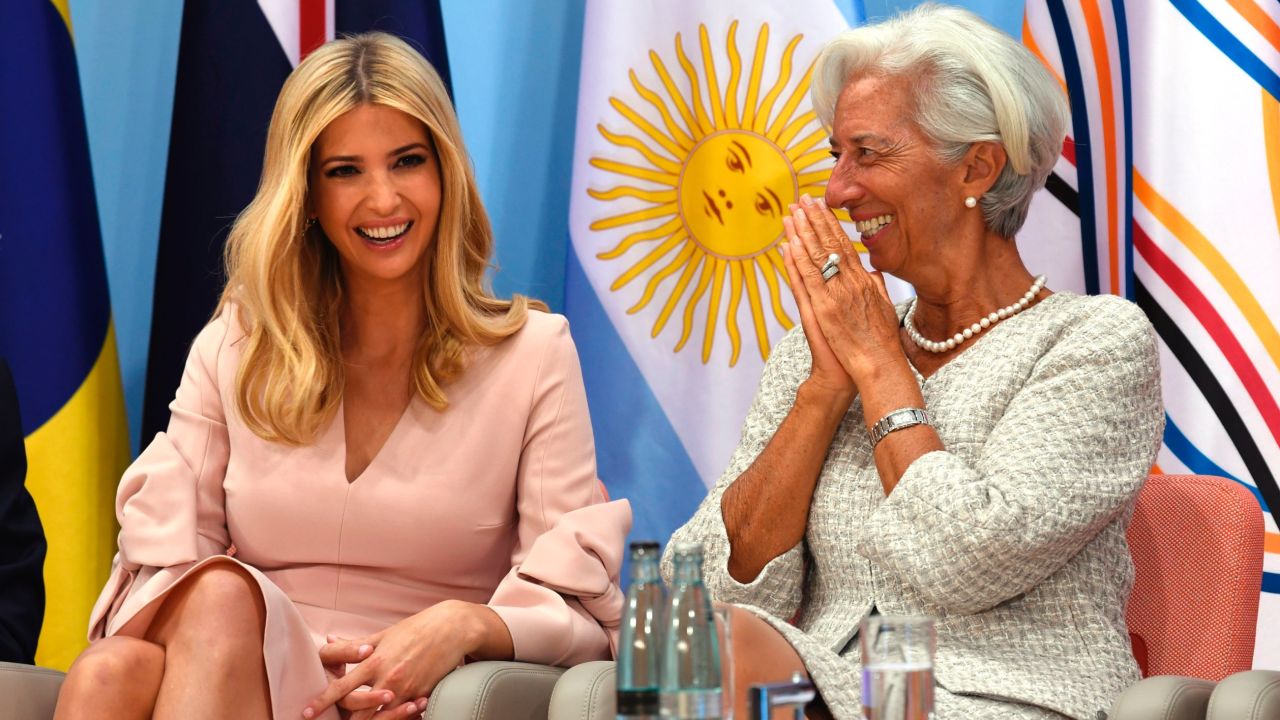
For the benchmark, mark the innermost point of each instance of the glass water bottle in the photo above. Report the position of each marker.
(639, 644)
(690, 677)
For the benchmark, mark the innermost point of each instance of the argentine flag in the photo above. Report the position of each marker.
(694, 134)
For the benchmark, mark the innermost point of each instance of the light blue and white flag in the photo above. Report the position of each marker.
(694, 134)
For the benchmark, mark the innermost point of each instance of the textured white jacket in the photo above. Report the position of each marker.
(1013, 537)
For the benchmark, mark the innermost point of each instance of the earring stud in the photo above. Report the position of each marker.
(971, 202)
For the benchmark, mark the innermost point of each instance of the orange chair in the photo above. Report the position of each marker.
(1197, 550)
(1196, 542)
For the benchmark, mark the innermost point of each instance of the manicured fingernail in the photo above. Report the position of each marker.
(364, 650)
(308, 713)
(422, 704)
(805, 199)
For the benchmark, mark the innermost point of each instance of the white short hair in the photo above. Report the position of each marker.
(971, 83)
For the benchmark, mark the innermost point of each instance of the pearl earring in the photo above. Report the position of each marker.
(971, 202)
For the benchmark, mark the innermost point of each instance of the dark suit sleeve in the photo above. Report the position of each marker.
(22, 544)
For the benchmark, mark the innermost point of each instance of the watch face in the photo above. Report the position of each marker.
(897, 420)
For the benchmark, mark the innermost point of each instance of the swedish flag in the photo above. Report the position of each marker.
(55, 316)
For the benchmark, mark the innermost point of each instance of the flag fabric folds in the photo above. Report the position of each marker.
(233, 58)
(1173, 171)
(55, 316)
(694, 134)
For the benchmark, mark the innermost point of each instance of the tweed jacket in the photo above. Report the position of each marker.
(1013, 537)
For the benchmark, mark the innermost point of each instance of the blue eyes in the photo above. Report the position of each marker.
(404, 161)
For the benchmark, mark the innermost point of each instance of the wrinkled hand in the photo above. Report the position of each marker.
(401, 665)
(852, 311)
(826, 371)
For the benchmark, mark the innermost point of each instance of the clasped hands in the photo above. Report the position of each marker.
(849, 321)
(401, 665)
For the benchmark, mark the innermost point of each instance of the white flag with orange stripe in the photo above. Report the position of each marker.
(1173, 171)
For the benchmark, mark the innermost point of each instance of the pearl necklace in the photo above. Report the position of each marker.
(986, 322)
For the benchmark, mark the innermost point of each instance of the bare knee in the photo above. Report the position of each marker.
(757, 643)
(113, 667)
(756, 653)
(219, 608)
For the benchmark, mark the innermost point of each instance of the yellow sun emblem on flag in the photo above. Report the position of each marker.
(718, 177)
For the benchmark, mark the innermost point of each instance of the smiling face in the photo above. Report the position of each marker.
(902, 198)
(375, 191)
(733, 189)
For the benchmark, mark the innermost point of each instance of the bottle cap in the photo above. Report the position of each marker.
(644, 545)
(688, 549)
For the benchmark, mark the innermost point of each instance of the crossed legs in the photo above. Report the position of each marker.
(200, 658)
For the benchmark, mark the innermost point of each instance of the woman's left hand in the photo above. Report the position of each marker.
(853, 307)
(407, 660)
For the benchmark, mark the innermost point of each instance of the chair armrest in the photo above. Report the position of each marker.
(1251, 695)
(586, 692)
(30, 692)
(1164, 697)
(493, 690)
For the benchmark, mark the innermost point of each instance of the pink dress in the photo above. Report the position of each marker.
(495, 501)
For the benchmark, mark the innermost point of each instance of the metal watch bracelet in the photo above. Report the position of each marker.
(897, 420)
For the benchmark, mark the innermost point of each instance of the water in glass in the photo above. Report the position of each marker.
(897, 668)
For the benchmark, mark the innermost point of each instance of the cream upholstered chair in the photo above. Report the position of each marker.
(29, 692)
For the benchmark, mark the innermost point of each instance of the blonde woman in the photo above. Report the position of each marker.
(366, 445)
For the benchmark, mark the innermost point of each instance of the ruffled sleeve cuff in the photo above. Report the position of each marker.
(562, 604)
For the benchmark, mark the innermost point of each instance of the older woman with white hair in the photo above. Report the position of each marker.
(972, 454)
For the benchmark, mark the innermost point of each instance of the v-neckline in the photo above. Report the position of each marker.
(341, 423)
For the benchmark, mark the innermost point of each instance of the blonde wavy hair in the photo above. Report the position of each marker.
(283, 275)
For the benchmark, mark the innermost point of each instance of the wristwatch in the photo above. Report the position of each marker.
(897, 420)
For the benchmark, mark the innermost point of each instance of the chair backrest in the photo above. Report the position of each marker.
(1197, 553)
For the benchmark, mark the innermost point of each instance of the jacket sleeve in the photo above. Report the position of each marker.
(777, 589)
(170, 502)
(1067, 458)
(561, 601)
(22, 544)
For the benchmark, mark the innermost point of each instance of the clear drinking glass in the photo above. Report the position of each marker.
(897, 667)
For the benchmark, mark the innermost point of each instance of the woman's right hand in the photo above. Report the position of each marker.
(335, 655)
(827, 372)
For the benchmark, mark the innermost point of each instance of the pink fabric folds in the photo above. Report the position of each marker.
(579, 557)
(157, 505)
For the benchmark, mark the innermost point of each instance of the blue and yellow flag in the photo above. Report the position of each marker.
(55, 316)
